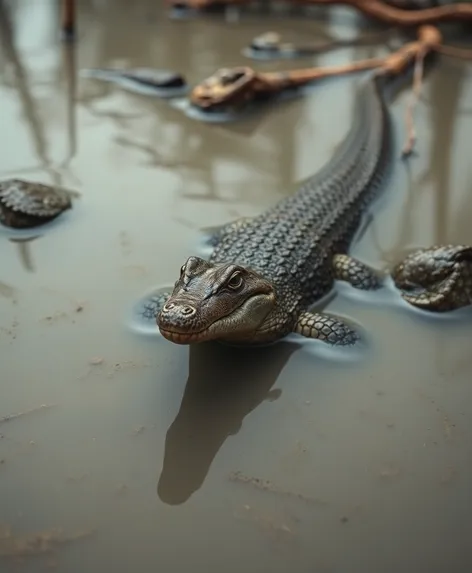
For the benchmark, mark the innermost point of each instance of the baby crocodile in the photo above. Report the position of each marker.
(265, 273)
(25, 204)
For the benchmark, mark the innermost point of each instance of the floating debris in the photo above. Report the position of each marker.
(270, 524)
(76, 479)
(11, 417)
(125, 365)
(26, 204)
(230, 91)
(34, 544)
(138, 430)
(148, 81)
(268, 486)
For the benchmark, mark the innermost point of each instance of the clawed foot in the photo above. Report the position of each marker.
(146, 309)
(437, 279)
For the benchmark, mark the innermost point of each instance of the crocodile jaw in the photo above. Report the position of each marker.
(242, 324)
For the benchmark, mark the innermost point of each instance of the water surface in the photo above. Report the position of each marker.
(157, 449)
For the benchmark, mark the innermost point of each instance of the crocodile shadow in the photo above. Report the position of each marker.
(224, 385)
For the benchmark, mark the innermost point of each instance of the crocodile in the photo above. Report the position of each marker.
(266, 273)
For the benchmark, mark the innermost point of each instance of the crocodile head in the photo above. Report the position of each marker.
(216, 301)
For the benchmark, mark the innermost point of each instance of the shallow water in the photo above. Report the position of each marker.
(366, 454)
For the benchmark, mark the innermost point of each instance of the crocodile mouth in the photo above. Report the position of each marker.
(224, 326)
(183, 337)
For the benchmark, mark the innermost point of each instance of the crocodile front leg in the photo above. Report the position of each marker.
(356, 273)
(148, 307)
(326, 327)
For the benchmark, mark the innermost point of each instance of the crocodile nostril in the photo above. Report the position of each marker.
(187, 310)
(168, 306)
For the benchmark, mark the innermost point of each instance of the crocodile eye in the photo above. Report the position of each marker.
(182, 269)
(235, 281)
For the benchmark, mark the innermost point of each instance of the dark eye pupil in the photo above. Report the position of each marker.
(235, 281)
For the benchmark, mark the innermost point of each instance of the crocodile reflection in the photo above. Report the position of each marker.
(223, 387)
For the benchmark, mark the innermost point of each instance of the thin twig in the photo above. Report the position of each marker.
(415, 94)
(68, 20)
(455, 52)
(11, 417)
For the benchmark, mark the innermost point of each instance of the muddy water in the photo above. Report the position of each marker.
(211, 459)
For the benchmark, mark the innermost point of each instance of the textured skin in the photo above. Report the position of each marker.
(325, 327)
(28, 204)
(437, 279)
(355, 272)
(265, 273)
(293, 244)
(292, 248)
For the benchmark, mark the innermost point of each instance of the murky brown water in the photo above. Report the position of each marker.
(368, 458)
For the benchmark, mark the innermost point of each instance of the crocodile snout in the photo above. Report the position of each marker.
(178, 320)
(178, 309)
